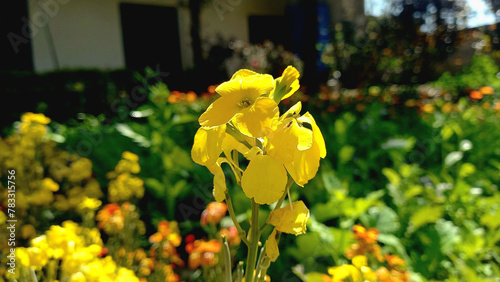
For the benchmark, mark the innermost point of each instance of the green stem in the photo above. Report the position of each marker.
(254, 243)
(227, 259)
(241, 232)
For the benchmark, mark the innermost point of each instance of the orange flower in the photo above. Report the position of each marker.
(231, 235)
(394, 261)
(202, 253)
(369, 236)
(486, 90)
(367, 243)
(213, 213)
(476, 95)
(110, 219)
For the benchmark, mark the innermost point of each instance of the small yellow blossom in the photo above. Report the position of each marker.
(89, 203)
(49, 184)
(344, 273)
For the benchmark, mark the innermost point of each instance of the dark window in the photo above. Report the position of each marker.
(151, 37)
(272, 28)
(15, 42)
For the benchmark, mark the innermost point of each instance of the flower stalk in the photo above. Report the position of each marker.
(254, 243)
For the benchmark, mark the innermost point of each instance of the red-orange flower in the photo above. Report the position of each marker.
(476, 95)
(213, 213)
(202, 253)
(231, 235)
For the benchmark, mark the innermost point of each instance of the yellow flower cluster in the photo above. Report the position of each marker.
(72, 251)
(246, 119)
(360, 270)
(124, 186)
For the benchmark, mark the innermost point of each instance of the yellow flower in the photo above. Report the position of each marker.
(77, 277)
(345, 273)
(286, 84)
(241, 100)
(305, 164)
(129, 163)
(290, 220)
(22, 256)
(124, 187)
(89, 203)
(208, 145)
(80, 170)
(38, 257)
(272, 250)
(359, 261)
(126, 275)
(37, 118)
(264, 180)
(49, 184)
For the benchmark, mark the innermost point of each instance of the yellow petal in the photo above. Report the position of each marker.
(294, 111)
(288, 220)
(304, 166)
(288, 139)
(220, 187)
(220, 111)
(317, 135)
(230, 143)
(306, 163)
(242, 73)
(286, 84)
(272, 250)
(252, 85)
(259, 119)
(264, 180)
(208, 145)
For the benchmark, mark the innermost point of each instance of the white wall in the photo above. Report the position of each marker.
(229, 18)
(87, 33)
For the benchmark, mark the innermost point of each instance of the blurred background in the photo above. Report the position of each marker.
(352, 43)
(406, 93)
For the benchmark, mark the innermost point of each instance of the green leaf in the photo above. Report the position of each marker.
(446, 132)
(394, 242)
(449, 235)
(381, 217)
(346, 153)
(490, 220)
(392, 175)
(127, 131)
(156, 186)
(466, 169)
(425, 216)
